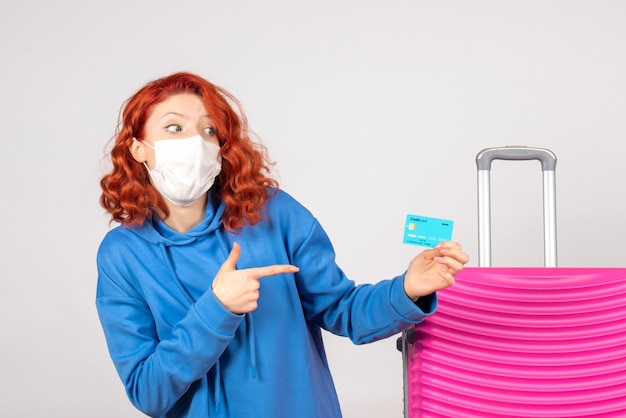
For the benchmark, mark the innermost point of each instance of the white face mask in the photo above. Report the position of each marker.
(184, 169)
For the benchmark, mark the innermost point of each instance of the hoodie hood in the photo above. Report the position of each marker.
(155, 231)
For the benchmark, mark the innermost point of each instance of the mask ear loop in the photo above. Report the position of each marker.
(149, 146)
(142, 142)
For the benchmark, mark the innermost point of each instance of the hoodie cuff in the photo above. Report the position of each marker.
(425, 305)
(211, 311)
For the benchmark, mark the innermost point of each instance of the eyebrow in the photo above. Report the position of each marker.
(181, 115)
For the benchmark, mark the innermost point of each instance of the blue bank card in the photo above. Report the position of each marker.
(425, 231)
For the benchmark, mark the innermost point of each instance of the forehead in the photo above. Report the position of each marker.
(183, 104)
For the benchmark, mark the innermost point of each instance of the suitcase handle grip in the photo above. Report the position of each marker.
(520, 153)
(548, 165)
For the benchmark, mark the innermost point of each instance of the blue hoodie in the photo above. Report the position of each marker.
(180, 353)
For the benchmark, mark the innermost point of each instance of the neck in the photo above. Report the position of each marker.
(183, 218)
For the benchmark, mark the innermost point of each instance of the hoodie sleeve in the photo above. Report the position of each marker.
(157, 372)
(365, 313)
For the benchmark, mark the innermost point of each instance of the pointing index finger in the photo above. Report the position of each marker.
(273, 270)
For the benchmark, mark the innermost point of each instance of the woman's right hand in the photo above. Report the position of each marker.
(238, 290)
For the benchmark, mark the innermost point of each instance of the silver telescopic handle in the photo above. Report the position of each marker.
(548, 166)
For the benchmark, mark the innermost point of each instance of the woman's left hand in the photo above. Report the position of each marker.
(434, 269)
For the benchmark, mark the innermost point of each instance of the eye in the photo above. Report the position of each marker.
(174, 128)
(209, 131)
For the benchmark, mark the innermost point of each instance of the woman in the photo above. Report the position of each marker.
(213, 291)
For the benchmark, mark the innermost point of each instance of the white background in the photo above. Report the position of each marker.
(371, 109)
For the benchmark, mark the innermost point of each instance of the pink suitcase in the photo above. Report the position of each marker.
(520, 342)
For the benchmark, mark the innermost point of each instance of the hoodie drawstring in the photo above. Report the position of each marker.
(218, 386)
(250, 323)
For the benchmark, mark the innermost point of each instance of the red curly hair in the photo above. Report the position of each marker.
(243, 185)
